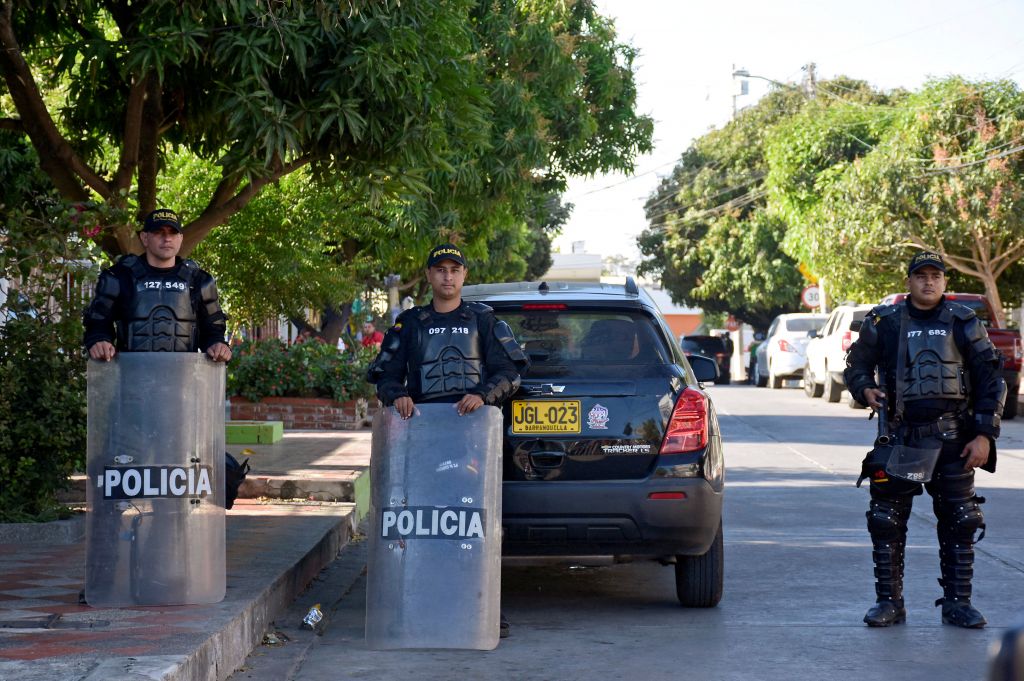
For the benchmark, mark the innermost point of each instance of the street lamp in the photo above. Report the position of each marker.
(808, 86)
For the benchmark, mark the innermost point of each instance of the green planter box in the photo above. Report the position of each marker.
(253, 432)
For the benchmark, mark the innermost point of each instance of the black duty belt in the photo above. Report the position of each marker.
(946, 427)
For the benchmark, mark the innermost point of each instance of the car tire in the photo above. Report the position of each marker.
(724, 379)
(774, 382)
(811, 389)
(1010, 408)
(833, 389)
(699, 579)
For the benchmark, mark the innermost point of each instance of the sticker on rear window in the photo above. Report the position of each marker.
(597, 418)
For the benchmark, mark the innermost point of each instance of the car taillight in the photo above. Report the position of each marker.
(1018, 352)
(847, 340)
(786, 346)
(688, 427)
(545, 306)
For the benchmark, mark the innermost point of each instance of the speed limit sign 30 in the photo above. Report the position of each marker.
(811, 297)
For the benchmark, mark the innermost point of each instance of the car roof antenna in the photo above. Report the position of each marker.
(543, 288)
(631, 287)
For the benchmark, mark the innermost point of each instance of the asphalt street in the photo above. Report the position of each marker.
(798, 580)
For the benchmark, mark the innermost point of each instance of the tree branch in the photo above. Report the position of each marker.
(216, 214)
(35, 118)
(132, 134)
(149, 140)
(12, 124)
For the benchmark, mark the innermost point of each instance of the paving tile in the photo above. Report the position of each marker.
(35, 592)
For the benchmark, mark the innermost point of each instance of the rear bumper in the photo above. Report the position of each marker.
(788, 364)
(605, 518)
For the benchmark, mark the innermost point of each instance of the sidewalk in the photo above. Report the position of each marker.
(274, 549)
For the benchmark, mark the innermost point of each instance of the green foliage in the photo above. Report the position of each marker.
(709, 239)
(944, 173)
(42, 368)
(269, 368)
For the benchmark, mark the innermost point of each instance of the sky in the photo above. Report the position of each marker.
(688, 50)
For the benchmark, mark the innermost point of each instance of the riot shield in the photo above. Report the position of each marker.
(155, 492)
(434, 566)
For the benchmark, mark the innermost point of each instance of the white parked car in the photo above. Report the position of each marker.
(826, 352)
(781, 355)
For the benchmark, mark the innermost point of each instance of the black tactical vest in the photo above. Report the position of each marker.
(160, 316)
(935, 367)
(450, 355)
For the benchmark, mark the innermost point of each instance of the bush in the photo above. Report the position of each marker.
(269, 368)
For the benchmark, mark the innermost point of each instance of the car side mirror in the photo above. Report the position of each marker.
(704, 368)
(759, 336)
(855, 325)
(812, 334)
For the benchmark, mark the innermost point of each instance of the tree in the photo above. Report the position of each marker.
(708, 238)
(945, 175)
(559, 90)
(378, 91)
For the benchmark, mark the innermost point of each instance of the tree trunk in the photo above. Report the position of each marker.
(992, 293)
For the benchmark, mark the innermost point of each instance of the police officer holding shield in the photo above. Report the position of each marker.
(156, 302)
(941, 392)
(447, 351)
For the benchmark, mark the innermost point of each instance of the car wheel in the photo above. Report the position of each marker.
(699, 579)
(724, 379)
(811, 389)
(833, 389)
(774, 382)
(759, 380)
(1010, 408)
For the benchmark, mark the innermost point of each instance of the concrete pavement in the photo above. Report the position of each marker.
(274, 550)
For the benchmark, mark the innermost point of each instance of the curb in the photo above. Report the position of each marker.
(224, 652)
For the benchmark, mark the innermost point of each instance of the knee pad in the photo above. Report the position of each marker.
(962, 519)
(887, 520)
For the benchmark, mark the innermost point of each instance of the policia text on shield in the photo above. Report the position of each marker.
(938, 369)
(448, 352)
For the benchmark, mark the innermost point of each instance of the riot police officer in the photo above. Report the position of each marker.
(448, 350)
(156, 302)
(939, 370)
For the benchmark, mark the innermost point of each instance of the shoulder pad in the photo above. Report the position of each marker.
(879, 312)
(479, 308)
(126, 261)
(961, 312)
(885, 310)
(191, 264)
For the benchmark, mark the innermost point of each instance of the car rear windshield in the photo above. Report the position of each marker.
(805, 324)
(585, 342)
(704, 346)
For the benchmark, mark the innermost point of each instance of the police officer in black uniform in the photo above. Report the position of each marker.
(448, 350)
(942, 391)
(156, 302)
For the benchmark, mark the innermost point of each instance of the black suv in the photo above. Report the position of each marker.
(612, 447)
(714, 348)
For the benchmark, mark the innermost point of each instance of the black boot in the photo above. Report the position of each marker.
(957, 571)
(889, 609)
(887, 524)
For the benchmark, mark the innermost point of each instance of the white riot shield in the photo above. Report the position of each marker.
(434, 567)
(155, 464)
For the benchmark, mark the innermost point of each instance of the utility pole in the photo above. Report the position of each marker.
(739, 87)
(810, 80)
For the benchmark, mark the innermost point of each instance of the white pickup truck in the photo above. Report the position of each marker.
(826, 352)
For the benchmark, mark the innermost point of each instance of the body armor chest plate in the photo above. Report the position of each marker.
(935, 367)
(160, 315)
(450, 356)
